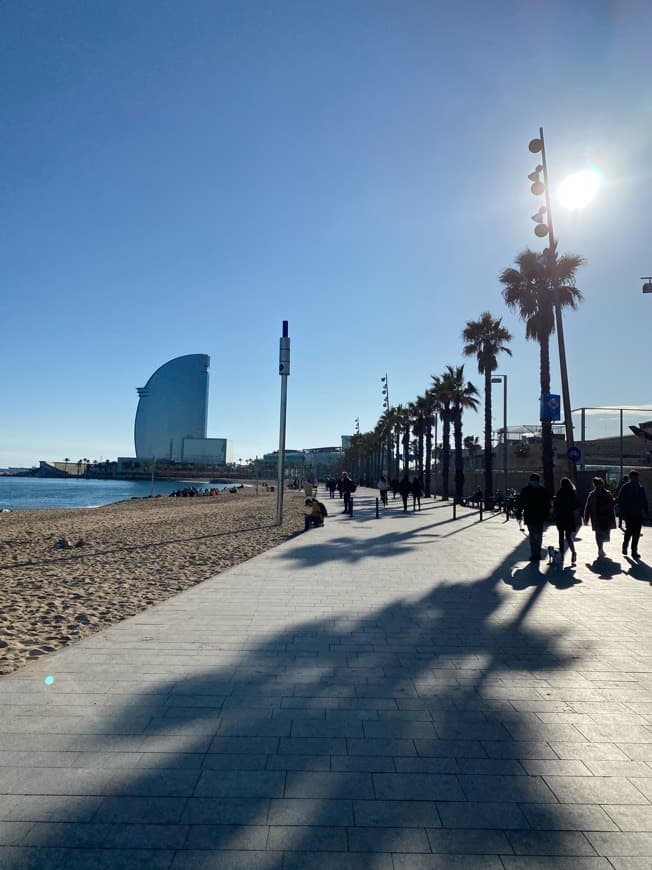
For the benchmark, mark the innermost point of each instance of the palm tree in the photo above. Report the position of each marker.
(485, 338)
(441, 389)
(531, 290)
(430, 412)
(463, 397)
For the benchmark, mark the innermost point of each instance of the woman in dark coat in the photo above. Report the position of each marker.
(565, 505)
(405, 488)
(600, 511)
(417, 492)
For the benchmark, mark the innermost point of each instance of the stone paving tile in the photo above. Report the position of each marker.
(403, 813)
(140, 836)
(568, 817)
(32, 858)
(305, 838)
(594, 789)
(66, 834)
(47, 808)
(550, 843)
(388, 840)
(417, 786)
(447, 862)
(329, 785)
(237, 860)
(631, 817)
(336, 861)
(14, 833)
(366, 763)
(629, 844)
(468, 842)
(247, 837)
(240, 783)
(309, 811)
(537, 862)
(505, 788)
(501, 816)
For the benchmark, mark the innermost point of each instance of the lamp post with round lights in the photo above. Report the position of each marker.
(647, 286)
(385, 393)
(543, 228)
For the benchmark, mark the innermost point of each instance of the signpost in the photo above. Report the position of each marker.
(574, 454)
(284, 371)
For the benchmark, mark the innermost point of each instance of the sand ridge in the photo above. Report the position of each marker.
(130, 555)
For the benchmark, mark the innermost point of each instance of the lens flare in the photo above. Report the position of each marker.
(579, 189)
(48, 681)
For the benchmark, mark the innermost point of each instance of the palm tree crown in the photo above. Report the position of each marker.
(532, 290)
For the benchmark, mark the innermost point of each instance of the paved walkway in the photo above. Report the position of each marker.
(402, 692)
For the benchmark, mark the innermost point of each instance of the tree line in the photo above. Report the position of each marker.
(530, 288)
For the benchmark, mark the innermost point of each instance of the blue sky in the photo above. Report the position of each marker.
(181, 177)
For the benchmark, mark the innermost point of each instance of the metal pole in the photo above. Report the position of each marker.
(504, 437)
(621, 447)
(284, 371)
(583, 434)
(568, 419)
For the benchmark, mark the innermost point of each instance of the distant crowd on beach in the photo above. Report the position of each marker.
(193, 491)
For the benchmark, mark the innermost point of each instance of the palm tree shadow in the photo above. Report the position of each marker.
(348, 733)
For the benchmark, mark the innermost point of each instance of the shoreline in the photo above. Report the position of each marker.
(123, 558)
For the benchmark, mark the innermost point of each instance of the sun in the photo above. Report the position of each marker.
(579, 189)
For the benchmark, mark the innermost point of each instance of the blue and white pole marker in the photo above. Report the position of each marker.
(48, 681)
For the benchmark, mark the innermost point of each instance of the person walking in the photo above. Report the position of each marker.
(405, 488)
(620, 489)
(347, 487)
(534, 502)
(632, 501)
(565, 504)
(417, 492)
(599, 511)
(383, 486)
(394, 486)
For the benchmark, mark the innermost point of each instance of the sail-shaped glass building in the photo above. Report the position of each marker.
(172, 414)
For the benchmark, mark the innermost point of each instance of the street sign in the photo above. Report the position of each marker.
(550, 407)
(574, 454)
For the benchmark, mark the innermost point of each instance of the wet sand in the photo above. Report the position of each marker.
(124, 558)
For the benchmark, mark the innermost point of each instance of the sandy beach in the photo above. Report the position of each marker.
(124, 558)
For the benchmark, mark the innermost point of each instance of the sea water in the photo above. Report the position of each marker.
(20, 493)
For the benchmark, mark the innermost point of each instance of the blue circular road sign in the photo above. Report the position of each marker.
(574, 454)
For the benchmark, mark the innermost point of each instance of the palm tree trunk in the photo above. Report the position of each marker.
(420, 452)
(459, 458)
(398, 451)
(488, 454)
(406, 448)
(547, 454)
(428, 457)
(445, 456)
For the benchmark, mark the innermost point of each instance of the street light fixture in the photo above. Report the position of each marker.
(544, 228)
(496, 379)
(647, 287)
(385, 393)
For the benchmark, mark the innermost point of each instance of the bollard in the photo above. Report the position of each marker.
(454, 509)
(480, 504)
(351, 506)
(377, 509)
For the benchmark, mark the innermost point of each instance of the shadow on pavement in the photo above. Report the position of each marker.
(407, 730)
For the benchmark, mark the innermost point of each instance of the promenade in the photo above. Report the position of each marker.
(392, 693)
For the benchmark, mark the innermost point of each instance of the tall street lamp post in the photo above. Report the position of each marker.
(544, 227)
(496, 379)
(385, 392)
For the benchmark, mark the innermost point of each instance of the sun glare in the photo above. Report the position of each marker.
(578, 190)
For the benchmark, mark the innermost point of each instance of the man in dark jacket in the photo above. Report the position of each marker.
(534, 501)
(347, 487)
(632, 501)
